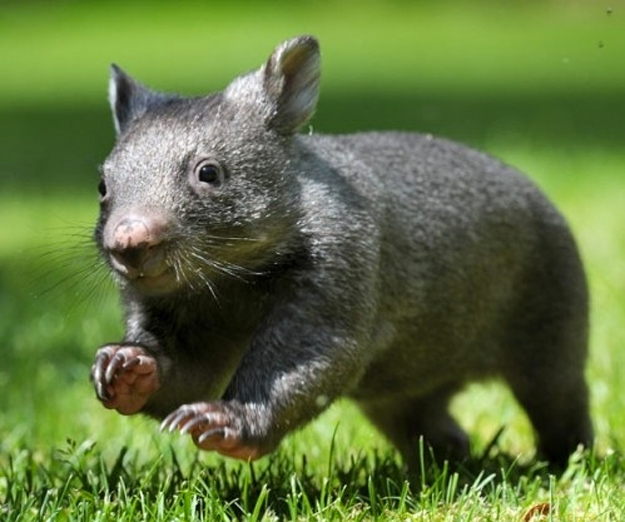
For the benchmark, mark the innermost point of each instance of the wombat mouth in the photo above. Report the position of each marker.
(161, 283)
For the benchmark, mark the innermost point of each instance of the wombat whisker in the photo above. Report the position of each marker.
(57, 284)
(202, 277)
(212, 288)
(243, 271)
(100, 277)
(232, 238)
(77, 277)
(62, 247)
(214, 234)
(221, 245)
(225, 267)
(179, 272)
(214, 264)
(56, 256)
(67, 256)
(80, 233)
(228, 270)
(180, 264)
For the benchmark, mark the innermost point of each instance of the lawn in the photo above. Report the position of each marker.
(540, 85)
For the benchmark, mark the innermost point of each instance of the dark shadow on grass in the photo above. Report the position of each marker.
(289, 488)
(379, 483)
(60, 148)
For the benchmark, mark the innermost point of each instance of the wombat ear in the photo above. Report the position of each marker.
(128, 98)
(291, 83)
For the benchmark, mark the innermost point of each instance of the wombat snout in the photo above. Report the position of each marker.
(135, 245)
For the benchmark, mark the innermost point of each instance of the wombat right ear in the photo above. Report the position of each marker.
(128, 98)
(291, 83)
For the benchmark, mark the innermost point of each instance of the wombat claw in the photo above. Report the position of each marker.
(124, 377)
(212, 427)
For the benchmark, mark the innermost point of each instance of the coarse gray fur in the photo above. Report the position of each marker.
(391, 268)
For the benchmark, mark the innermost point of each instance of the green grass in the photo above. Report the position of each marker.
(541, 86)
(76, 484)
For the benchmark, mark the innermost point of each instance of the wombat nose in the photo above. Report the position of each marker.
(133, 234)
(133, 243)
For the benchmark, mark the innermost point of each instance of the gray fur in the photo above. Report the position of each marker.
(392, 268)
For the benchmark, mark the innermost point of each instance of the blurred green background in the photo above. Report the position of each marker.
(539, 83)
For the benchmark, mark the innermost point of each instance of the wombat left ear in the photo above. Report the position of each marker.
(291, 83)
(128, 98)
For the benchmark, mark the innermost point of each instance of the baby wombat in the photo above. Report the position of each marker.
(265, 273)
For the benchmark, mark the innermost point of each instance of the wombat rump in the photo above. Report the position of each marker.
(265, 273)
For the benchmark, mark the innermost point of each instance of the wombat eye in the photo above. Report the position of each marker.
(102, 188)
(211, 173)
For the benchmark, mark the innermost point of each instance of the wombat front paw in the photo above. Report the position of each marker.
(214, 426)
(124, 377)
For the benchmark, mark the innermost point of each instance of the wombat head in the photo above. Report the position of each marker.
(201, 188)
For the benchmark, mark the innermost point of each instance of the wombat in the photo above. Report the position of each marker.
(265, 273)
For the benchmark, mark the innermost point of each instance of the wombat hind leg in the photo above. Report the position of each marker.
(558, 409)
(546, 373)
(404, 421)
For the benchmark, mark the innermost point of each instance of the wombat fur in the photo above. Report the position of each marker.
(266, 273)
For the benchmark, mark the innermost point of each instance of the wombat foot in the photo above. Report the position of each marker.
(124, 377)
(215, 426)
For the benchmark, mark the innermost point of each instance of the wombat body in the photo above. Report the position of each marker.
(266, 273)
